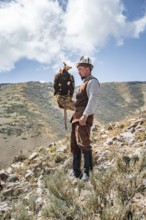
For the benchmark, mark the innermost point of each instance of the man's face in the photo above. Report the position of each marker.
(84, 71)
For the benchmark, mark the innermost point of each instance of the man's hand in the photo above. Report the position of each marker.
(82, 120)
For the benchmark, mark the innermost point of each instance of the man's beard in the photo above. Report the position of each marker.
(83, 77)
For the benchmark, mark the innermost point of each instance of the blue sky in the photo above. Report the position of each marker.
(38, 36)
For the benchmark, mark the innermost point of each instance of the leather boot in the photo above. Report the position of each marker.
(77, 164)
(88, 166)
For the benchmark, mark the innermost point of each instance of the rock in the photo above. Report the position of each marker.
(8, 192)
(100, 160)
(105, 165)
(33, 156)
(39, 182)
(137, 144)
(140, 151)
(12, 178)
(68, 163)
(95, 128)
(131, 127)
(128, 136)
(110, 127)
(9, 170)
(17, 165)
(114, 138)
(62, 148)
(28, 174)
(1, 187)
(103, 130)
(4, 207)
(39, 203)
(140, 128)
(120, 138)
(109, 141)
(104, 136)
(3, 175)
(132, 130)
(144, 183)
(52, 144)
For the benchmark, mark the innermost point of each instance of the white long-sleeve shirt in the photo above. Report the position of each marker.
(92, 90)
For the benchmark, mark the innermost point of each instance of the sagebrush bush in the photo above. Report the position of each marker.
(109, 193)
(21, 213)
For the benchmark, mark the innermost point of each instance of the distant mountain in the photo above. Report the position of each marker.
(118, 100)
(30, 116)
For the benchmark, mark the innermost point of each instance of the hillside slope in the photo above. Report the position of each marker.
(30, 117)
(118, 100)
(37, 186)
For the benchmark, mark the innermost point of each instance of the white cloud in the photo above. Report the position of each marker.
(91, 24)
(43, 31)
(140, 26)
(29, 29)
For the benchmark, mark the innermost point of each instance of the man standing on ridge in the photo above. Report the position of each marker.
(82, 119)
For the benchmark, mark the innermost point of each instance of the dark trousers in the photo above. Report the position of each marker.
(80, 143)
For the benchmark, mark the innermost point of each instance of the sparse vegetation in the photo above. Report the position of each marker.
(40, 188)
(20, 213)
(108, 196)
(141, 136)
